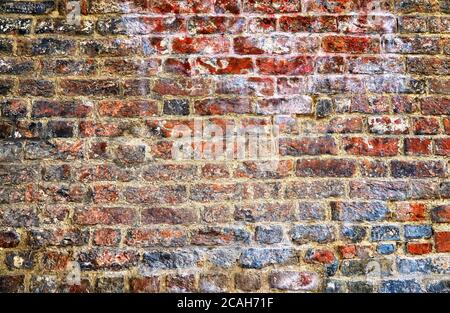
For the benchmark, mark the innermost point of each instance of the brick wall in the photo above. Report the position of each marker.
(92, 199)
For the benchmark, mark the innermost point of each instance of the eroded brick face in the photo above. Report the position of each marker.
(91, 112)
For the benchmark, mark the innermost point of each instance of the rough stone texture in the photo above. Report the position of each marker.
(89, 114)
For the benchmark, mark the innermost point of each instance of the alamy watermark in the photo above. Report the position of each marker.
(233, 140)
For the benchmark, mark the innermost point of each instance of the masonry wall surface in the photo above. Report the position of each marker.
(91, 199)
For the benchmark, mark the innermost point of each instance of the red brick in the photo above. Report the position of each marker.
(215, 171)
(144, 284)
(105, 216)
(283, 66)
(223, 106)
(156, 194)
(261, 24)
(94, 129)
(442, 146)
(128, 108)
(200, 45)
(350, 44)
(100, 87)
(442, 241)
(178, 66)
(446, 122)
(416, 248)
(216, 25)
(183, 282)
(107, 259)
(418, 146)
(227, 6)
(371, 146)
(435, 106)
(370, 168)
(174, 6)
(325, 168)
(311, 24)
(271, 7)
(105, 194)
(308, 146)
(127, 67)
(55, 261)
(212, 236)
(166, 237)
(251, 169)
(426, 126)
(428, 66)
(106, 237)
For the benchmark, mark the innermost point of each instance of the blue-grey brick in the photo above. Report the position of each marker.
(418, 231)
(439, 286)
(440, 214)
(334, 286)
(27, 7)
(260, 257)
(410, 266)
(359, 211)
(176, 107)
(302, 234)
(269, 234)
(170, 260)
(353, 233)
(224, 257)
(445, 190)
(440, 265)
(386, 248)
(400, 286)
(20, 260)
(310, 211)
(385, 233)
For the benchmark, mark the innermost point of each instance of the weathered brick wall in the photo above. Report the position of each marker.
(358, 90)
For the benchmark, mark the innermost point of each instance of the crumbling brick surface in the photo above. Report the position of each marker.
(93, 106)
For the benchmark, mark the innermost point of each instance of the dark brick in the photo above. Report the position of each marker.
(176, 107)
(12, 283)
(27, 7)
(172, 259)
